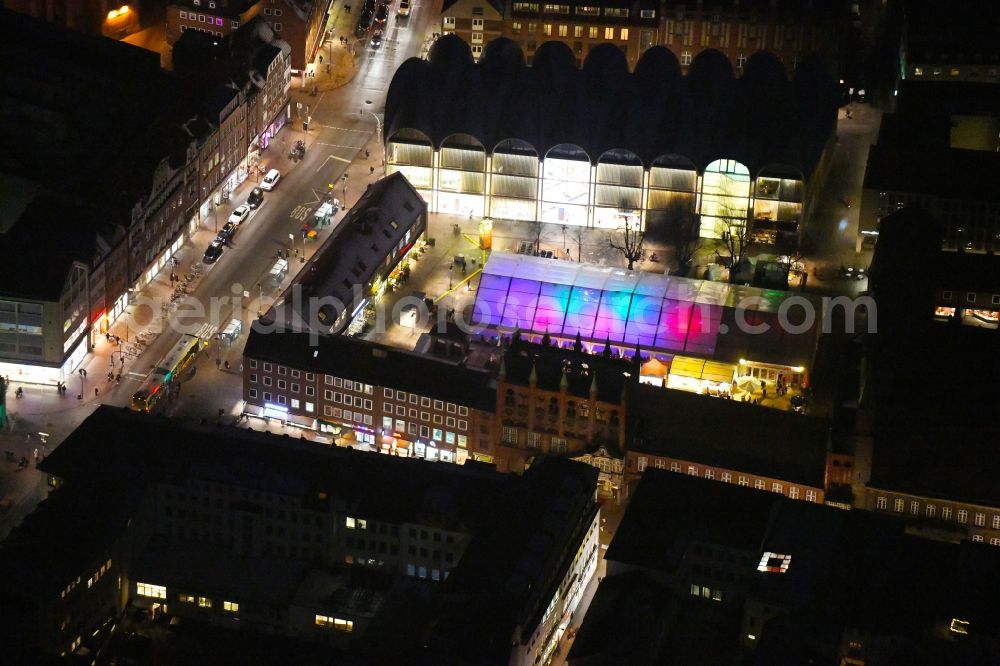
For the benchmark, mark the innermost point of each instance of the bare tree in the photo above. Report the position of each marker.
(683, 226)
(735, 236)
(577, 236)
(535, 228)
(628, 240)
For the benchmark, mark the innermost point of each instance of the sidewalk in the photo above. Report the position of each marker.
(336, 62)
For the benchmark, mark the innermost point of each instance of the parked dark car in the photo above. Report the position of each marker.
(256, 198)
(381, 14)
(213, 252)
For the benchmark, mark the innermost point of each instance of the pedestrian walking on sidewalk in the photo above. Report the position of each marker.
(371, 171)
(367, 153)
(96, 392)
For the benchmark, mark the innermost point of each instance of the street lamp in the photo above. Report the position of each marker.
(378, 132)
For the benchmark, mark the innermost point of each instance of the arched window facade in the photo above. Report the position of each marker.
(566, 186)
(725, 198)
(411, 153)
(461, 187)
(514, 181)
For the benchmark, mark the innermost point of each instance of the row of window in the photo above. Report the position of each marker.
(439, 405)
(706, 592)
(593, 32)
(954, 71)
(930, 511)
(282, 370)
(349, 385)
(400, 410)
(335, 623)
(210, 32)
(613, 12)
(201, 18)
(416, 430)
(284, 385)
(421, 572)
(727, 477)
(970, 297)
(294, 403)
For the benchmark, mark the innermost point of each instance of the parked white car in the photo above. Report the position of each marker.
(270, 180)
(240, 214)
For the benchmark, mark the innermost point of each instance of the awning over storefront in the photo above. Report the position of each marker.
(696, 368)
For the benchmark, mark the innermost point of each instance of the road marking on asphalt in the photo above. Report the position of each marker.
(342, 129)
(300, 213)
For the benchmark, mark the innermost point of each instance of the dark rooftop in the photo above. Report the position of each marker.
(383, 223)
(759, 119)
(669, 510)
(550, 366)
(374, 487)
(730, 434)
(375, 364)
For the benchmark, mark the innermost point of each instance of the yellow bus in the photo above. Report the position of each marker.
(173, 364)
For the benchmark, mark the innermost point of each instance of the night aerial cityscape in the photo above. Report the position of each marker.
(497, 332)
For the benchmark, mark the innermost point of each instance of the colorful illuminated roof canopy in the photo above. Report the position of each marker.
(657, 312)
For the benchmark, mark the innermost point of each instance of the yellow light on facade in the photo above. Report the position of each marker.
(798, 368)
(121, 11)
(743, 361)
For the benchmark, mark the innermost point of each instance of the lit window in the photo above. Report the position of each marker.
(727, 477)
(793, 493)
(980, 519)
(187, 599)
(758, 484)
(774, 563)
(881, 503)
(449, 22)
(343, 625)
(204, 602)
(918, 71)
(963, 516)
(350, 523)
(744, 481)
(959, 627)
(642, 462)
(230, 606)
(624, 34)
(810, 495)
(149, 590)
(660, 463)
(609, 33)
(915, 507)
(897, 506)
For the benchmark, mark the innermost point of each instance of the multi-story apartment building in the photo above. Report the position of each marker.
(298, 23)
(932, 152)
(951, 492)
(790, 30)
(552, 401)
(219, 18)
(270, 535)
(730, 442)
(475, 21)
(370, 395)
(107, 243)
(953, 46)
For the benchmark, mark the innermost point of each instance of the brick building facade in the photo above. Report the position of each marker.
(790, 30)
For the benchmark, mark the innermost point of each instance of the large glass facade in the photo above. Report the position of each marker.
(618, 193)
(725, 197)
(566, 187)
(566, 180)
(461, 185)
(514, 181)
(777, 206)
(411, 153)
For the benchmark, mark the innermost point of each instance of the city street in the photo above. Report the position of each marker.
(344, 125)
